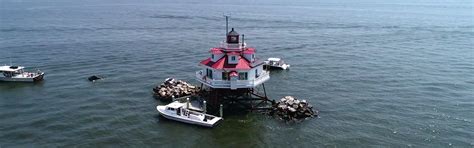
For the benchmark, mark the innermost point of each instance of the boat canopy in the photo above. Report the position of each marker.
(175, 105)
(10, 68)
(274, 59)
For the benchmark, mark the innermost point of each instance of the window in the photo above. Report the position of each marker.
(256, 73)
(225, 75)
(212, 56)
(242, 76)
(209, 73)
(233, 58)
(253, 56)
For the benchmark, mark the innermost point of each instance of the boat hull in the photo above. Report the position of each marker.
(168, 115)
(39, 78)
(284, 67)
(23, 79)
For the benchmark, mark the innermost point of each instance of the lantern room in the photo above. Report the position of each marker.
(233, 37)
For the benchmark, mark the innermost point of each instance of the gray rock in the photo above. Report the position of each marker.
(174, 88)
(289, 102)
(290, 108)
(295, 106)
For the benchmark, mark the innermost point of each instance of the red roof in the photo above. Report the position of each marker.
(216, 51)
(223, 63)
(233, 53)
(249, 51)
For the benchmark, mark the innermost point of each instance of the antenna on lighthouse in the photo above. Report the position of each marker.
(226, 25)
(243, 40)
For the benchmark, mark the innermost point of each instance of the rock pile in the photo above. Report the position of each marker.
(172, 88)
(289, 108)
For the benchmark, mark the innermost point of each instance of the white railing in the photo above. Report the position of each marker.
(232, 84)
(252, 83)
(232, 46)
(211, 82)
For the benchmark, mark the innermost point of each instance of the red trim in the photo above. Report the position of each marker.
(249, 51)
(233, 53)
(233, 50)
(216, 51)
(223, 63)
(206, 61)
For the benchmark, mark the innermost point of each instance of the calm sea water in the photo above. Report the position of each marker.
(396, 74)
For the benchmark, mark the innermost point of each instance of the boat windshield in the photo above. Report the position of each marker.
(10, 73)
(273, 63)
(6, 74)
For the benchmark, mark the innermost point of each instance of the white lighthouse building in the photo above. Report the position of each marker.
(233, 65)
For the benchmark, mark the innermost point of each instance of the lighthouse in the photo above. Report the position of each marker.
(233, 65)
(232, 69)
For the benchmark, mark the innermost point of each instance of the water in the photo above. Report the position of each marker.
(394, 74)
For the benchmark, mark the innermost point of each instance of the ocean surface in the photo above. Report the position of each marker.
(382, 73)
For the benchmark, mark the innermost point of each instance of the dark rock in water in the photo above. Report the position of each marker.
(94, 78)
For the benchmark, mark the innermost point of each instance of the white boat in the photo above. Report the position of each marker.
(276, 63)
(17, 74)
(177, 111)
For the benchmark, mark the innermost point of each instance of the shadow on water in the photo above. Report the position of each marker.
(246, 127)
(162, 120)
(16, 85)
(278, 71)
(246, 131)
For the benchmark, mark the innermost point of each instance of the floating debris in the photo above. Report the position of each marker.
(94, 78)
(172, 88)
(291, 109)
